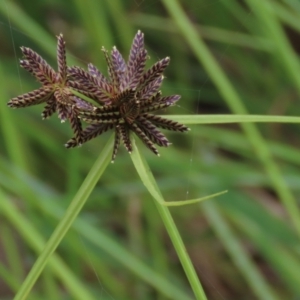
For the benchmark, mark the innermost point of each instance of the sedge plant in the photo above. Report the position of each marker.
(124, 103)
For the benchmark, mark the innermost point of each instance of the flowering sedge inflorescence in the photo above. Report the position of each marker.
(123, 101)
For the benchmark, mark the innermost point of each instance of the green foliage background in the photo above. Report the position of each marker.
(243, 244)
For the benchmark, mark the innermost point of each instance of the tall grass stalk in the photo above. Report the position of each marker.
(68, 219)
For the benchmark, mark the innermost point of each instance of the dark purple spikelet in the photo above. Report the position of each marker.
(56, 88)
(127, 97)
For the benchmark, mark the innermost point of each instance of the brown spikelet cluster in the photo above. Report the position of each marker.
(56, 90)
(124, 101)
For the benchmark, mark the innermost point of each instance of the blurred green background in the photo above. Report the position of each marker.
(243, 244)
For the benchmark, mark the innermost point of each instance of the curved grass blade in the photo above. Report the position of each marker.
(192, 201)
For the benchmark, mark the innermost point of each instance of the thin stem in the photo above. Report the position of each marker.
(150, 183)
(181, 251)
(68, 219)
(222, 119)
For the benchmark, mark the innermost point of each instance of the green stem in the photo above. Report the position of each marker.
(223, 119)
(181, 251)
(150, 183)
(68, 219)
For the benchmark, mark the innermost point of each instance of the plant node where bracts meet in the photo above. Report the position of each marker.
(127, 99)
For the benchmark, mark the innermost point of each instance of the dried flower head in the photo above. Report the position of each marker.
(55, 90)
(127, 97)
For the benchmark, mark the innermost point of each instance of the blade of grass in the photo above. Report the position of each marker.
(68, 219)
(192, 201)
(147, 178)
(234, 102)
(219, 119)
